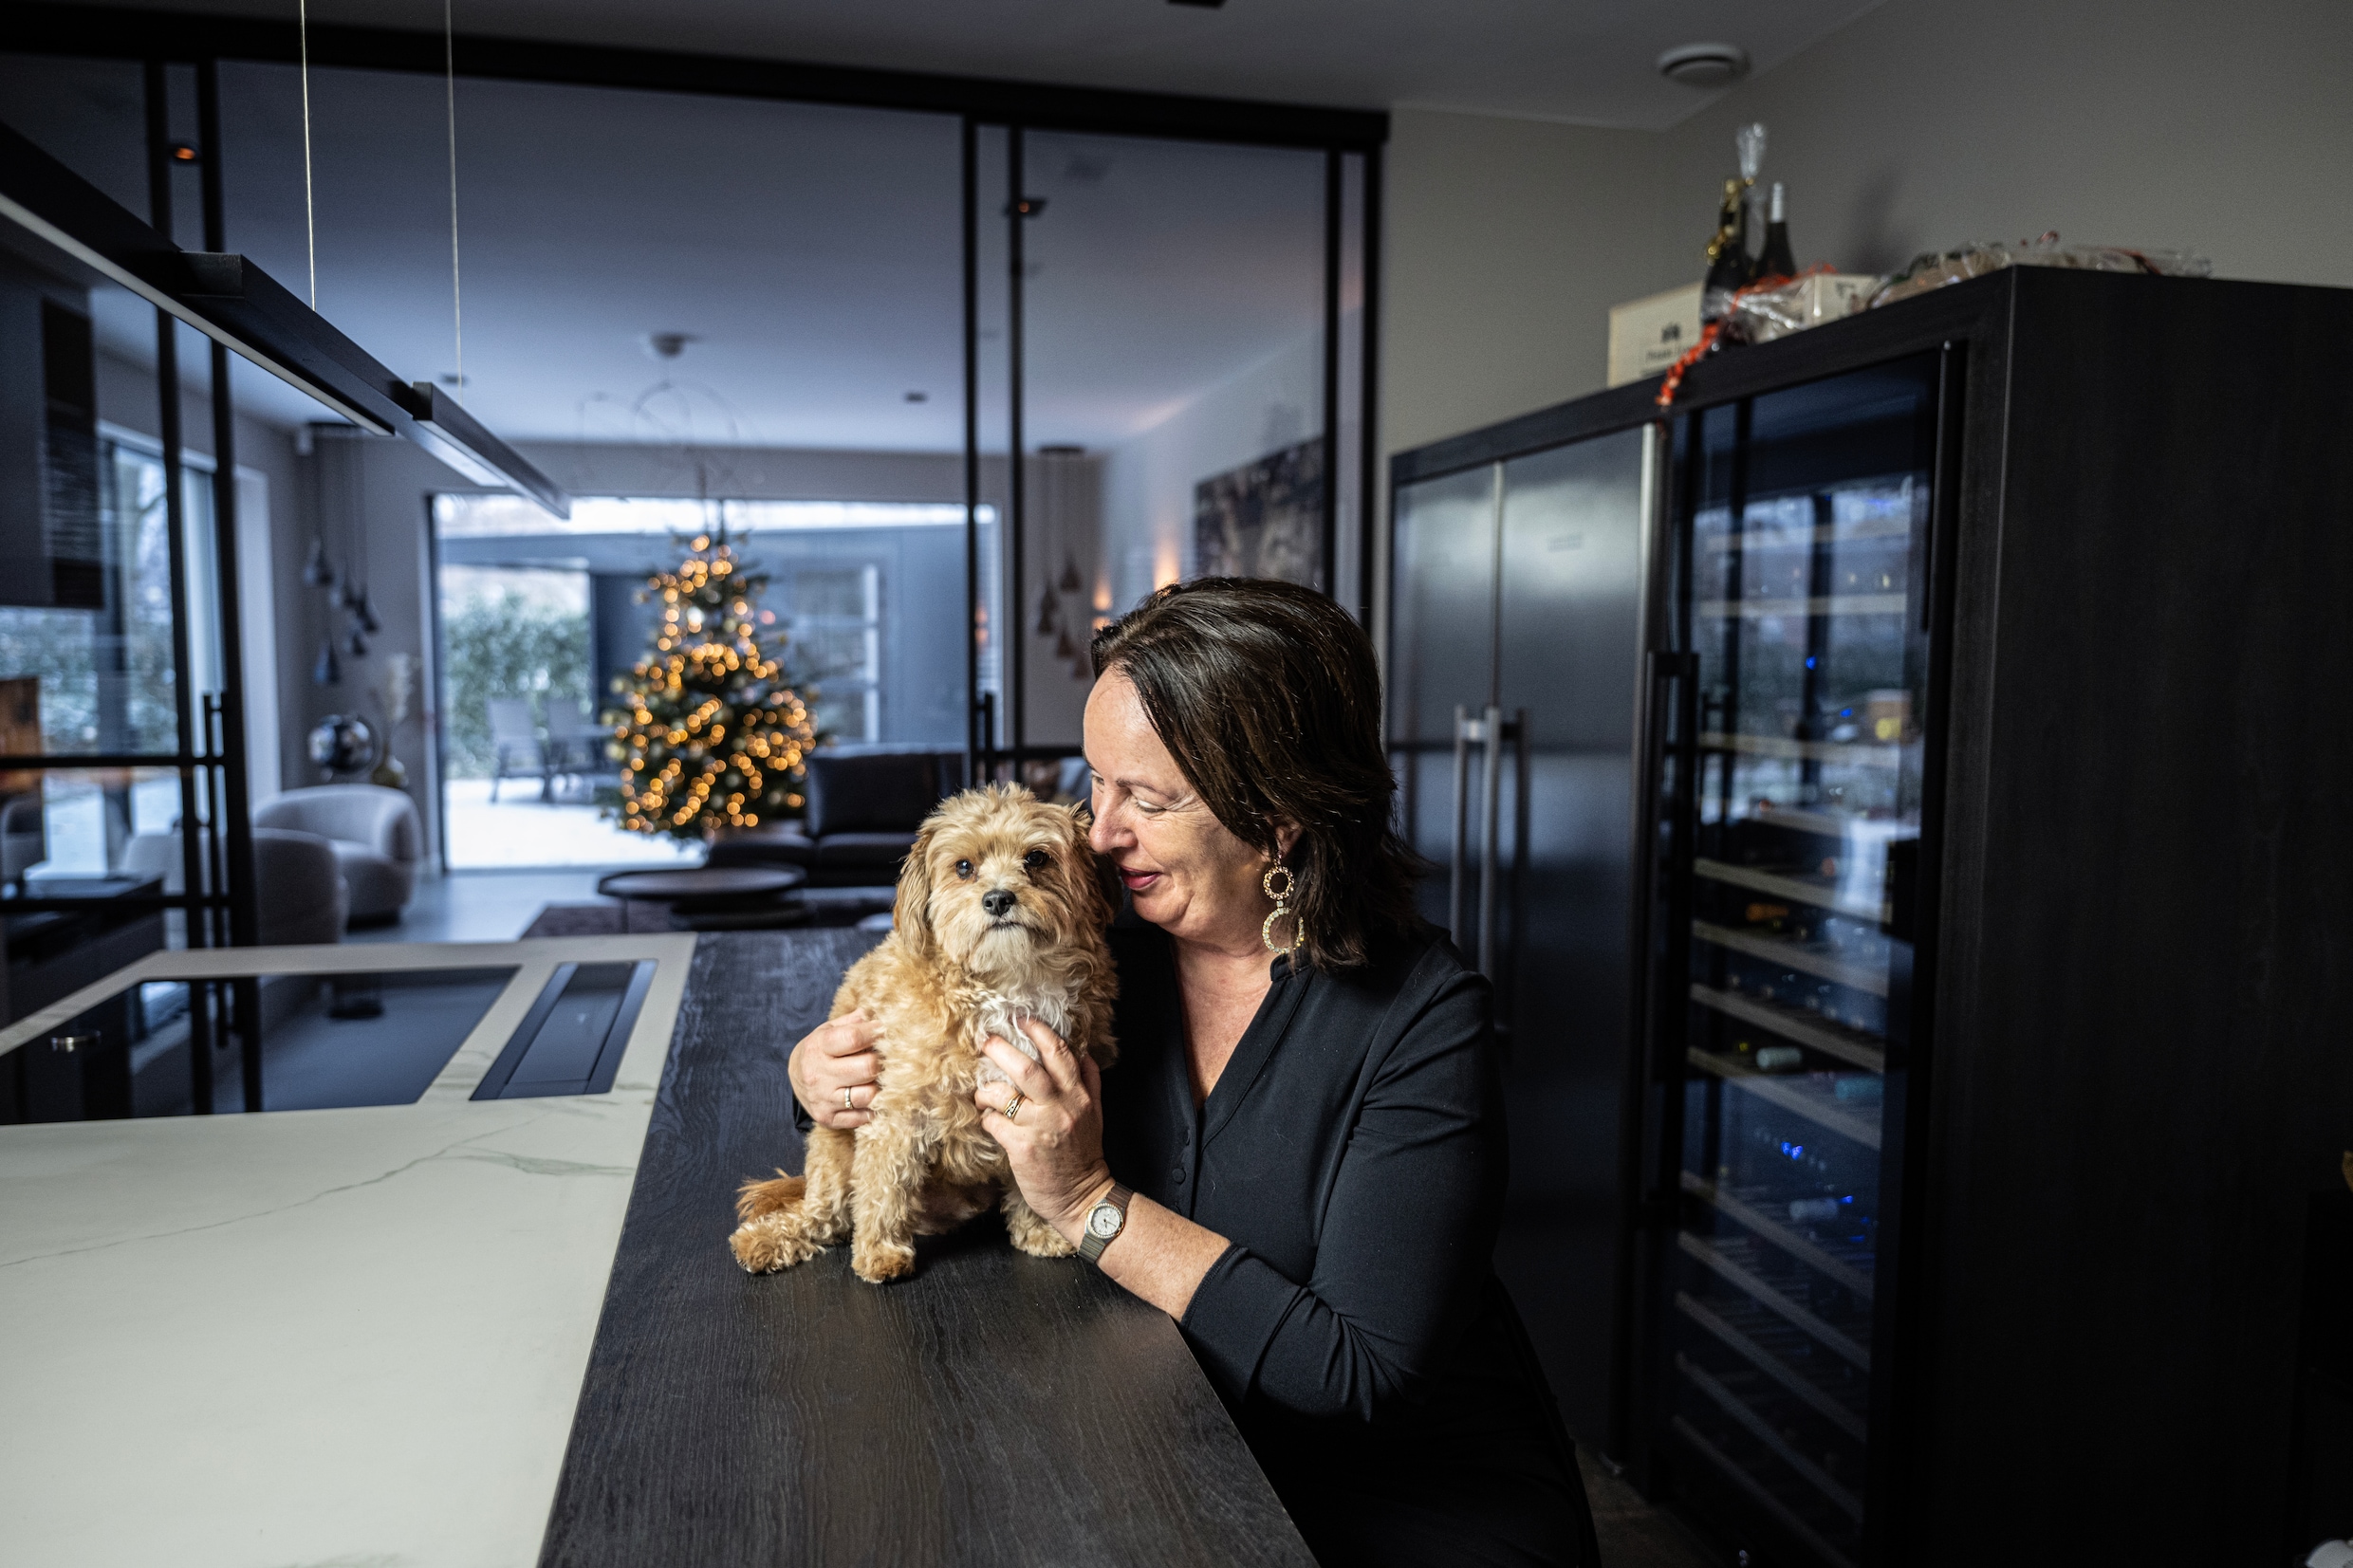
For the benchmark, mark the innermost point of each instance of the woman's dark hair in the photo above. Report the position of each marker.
(1268, 697)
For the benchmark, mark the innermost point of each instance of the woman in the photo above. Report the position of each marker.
(1307, 1107)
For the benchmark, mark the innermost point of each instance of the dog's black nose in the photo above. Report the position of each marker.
(998, 902)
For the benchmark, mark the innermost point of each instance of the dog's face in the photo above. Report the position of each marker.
(997, 878)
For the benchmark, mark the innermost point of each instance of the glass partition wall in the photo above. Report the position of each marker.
(1167, 360)
(1164, 370)
(124, 791)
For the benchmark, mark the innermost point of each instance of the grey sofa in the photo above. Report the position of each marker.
(375, 834)
(863, 814)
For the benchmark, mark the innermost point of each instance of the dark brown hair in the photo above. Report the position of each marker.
(1268, 697)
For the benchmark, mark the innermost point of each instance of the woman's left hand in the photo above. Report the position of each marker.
(1054, 1140)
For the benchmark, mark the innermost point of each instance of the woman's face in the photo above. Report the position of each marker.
(1186, 870)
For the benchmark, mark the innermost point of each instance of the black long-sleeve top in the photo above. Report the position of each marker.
(1353, 1154)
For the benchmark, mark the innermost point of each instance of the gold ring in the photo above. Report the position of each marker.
(848, 1104)
(1012, 1108)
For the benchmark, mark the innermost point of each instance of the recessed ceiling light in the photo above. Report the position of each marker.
(183, 152)
(1704, 64)
(919, 396)
(668, 346)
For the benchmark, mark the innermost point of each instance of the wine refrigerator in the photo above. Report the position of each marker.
(1904, 778)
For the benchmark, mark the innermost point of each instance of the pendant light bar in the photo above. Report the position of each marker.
(442, 427)
(235, 303)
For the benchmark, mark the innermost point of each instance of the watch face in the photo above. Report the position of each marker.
(1103, 1220)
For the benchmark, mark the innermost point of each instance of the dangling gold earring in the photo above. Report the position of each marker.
(1282, 907)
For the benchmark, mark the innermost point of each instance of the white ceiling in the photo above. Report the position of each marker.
(1589, 61)
(815, 251)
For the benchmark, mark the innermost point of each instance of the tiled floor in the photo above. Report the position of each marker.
(484, 906)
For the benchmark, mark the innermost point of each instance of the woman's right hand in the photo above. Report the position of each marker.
(833, 1071)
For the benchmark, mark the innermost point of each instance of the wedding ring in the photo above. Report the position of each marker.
(848, 1104)
(1012, 1108)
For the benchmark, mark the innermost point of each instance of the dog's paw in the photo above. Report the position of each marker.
(880, 1262)
(1040, 1239)
(766, 1244)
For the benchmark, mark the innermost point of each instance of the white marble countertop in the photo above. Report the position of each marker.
(347, 1337)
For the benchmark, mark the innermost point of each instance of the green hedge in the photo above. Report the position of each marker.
(507, 648)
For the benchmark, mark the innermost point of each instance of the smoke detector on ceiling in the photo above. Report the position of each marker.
(1704, 64)
(668, 346)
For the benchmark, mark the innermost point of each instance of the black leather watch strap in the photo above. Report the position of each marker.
(1104, 1223)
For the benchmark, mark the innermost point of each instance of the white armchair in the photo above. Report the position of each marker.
(376, 837)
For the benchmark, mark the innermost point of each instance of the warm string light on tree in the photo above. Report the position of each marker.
(710, 734)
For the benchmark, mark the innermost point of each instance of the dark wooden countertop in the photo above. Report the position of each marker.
(994, 1409)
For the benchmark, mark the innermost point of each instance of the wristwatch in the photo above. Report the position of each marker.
(1105, 1221)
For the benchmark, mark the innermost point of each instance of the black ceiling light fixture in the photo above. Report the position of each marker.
(241, 308)
(1704, 64)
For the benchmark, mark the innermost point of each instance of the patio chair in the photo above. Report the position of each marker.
(514, 736)
(575, 743)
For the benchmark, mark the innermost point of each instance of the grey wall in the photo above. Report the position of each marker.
(369, 493)
(1919, 125)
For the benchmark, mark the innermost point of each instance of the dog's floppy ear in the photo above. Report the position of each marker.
(1105, 877)
(911, 915)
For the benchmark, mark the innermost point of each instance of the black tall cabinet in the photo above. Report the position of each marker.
(1980, 1063)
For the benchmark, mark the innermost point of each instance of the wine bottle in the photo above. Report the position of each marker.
(1727, 255)
(1777, 260)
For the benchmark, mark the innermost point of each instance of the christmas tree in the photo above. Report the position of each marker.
(712, 734)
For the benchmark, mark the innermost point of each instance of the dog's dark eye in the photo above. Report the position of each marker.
(964, 869)
(1035, 859)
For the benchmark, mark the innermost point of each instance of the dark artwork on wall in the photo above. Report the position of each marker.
(1264, 518)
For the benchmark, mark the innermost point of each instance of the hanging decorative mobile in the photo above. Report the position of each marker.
(359, 641)
(1049, 612)
(317, 572)
(326, 671)
(1063, 649)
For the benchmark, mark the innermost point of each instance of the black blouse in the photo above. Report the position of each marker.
(1353, 1152)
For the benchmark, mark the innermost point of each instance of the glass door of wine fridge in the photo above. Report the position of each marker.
(1790, 711)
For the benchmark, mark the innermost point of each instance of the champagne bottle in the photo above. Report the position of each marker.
(1777, 260)
(1727, 255)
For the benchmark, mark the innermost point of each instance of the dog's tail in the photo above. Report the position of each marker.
(755, 1198)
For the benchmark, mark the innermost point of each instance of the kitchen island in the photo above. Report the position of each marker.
(501, 1332)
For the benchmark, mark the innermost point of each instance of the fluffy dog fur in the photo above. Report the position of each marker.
(950, 974)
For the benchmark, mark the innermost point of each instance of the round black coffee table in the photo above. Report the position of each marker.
(728, 897)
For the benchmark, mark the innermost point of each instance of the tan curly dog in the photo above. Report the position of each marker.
(1001, 913)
